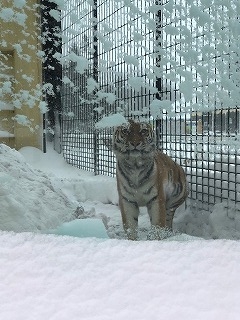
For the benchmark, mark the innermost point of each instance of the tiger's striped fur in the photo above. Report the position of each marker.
(146, 177)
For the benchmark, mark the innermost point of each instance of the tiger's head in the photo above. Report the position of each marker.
(135, 138)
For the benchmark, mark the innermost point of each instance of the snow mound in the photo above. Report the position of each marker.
(221, 222)
(29, 201)
(76, 184)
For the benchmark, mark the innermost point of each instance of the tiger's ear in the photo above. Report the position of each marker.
(131, 121)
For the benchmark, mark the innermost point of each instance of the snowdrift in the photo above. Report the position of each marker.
(28, 199)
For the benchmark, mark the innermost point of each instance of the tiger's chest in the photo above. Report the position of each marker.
(137, 182)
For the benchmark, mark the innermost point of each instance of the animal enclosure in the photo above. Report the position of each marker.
(172, 63)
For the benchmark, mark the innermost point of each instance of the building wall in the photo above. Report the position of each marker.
(20, 116)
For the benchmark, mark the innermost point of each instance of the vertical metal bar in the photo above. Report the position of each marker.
(52, 69)
(236, 130)
(95, 77)
(159, 86)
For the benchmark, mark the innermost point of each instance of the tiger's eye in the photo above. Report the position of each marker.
(144, 131)
(124, 130)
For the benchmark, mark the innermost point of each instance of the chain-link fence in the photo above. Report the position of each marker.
(173, 63)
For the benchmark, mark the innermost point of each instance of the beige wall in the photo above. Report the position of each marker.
(18, 51)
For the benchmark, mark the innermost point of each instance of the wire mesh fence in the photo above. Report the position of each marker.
(173, 63)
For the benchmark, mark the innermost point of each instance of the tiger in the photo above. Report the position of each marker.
(146, 177)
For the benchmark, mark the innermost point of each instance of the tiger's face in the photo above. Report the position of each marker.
(134, 138)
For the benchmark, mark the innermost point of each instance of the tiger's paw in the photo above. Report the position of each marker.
(159, 233)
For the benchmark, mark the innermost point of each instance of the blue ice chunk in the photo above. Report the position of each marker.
(82, 228)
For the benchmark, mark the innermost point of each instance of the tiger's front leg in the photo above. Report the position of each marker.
(130, 213)
(157, 213)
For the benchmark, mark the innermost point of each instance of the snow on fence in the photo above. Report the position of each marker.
(173, 63)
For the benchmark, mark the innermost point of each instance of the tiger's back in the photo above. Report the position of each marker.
(146, 177)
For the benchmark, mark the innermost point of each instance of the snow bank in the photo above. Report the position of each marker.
(54, 277)
(77, 185)
(221, 222)
(29, 201)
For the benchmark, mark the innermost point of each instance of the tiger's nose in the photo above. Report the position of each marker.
(135, 142)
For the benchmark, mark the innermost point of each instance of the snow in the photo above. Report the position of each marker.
(7, 14)
(55, 276)
(19, 3)
(28, 198)
(6, 134)
(43, 107)
(49, 277)
(158, 106)
(91, 85)
(55, 14)
(136, 83)
(110, 121)
(131, 60)
(82, 62)
(110, 97)
(22, 119)
(184, 88)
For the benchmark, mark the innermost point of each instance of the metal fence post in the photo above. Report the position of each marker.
(95, 77)
(159, 86)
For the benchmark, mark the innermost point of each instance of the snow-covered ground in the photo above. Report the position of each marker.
(46, 276)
